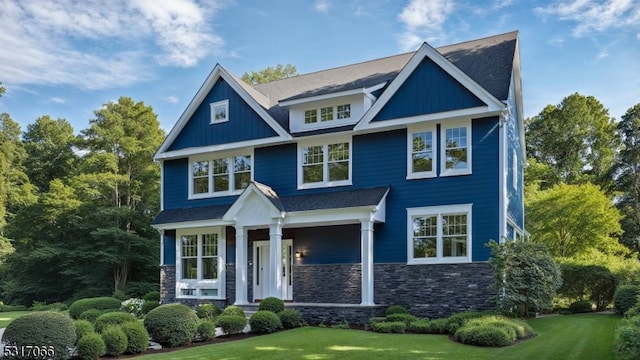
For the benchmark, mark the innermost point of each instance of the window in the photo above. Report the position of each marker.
(311, 116)
(344, 111)
(327, 113)
(439, 234)
(456, 149)
(219, 111)
(421, 147)
(324, 165)
(201, 269)
(219, 177)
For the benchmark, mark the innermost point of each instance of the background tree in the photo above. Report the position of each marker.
(270, 74)
(573, 219)
(573, 142)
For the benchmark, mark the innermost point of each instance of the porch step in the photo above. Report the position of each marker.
(249, 309)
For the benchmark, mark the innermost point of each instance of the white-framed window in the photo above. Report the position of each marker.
(514, 170)
(219, 176)
(200, 265)
(344, 111)
(439, 234)
(455, 148)
(311, 116)
(421, 150)
(327, 113)
(219, 111)
(324, 164)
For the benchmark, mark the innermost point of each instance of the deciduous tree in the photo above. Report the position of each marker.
(270, 74)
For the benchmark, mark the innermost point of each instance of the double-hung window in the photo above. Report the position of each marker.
(200, 272)
(324, 164)
(219, 176)
(439, 234)
(421, 147)
(455, 151)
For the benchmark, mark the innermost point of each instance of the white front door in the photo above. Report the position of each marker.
(262, 270)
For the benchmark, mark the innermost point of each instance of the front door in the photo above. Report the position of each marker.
(262, 266)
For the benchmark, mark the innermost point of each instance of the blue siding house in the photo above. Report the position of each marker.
(349, 189)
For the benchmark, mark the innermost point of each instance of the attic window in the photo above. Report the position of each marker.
(327, 113)
(219, 111)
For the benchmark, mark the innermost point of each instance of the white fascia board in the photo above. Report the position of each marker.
(426, 50)
(330, 216)
(334, 95)
(517, 83)
(191, 224)
(182, 153)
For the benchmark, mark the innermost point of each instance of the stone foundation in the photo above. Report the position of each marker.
(332, 283)
(167, 284)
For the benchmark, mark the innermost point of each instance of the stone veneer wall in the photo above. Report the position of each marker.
(434, 291)
(332, 283)
(167, 284)
(168, 288)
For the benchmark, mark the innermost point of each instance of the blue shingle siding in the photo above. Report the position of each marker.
(244, 123)
(428, 90)
(515, 210)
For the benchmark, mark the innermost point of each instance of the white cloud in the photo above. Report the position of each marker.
(322, 6)
(598, 16)
(58, 100)
(172, 99)
(423, 20)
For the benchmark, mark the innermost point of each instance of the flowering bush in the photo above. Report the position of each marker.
(133, 306)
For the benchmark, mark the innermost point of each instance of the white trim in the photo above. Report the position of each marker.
(453, 115)
(241, 265)
(514, 169)
(230, 156)
(429, 127)
(199, 284)
(439, 211)
(194, 151)
(213, 106)
(161, 247)
(192, 224)
(161, 185)
(443, 143)
(324, 142)
(503, 194)
(366, 255)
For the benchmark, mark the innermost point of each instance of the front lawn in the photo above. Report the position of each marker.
(7, 317)
(587, 336)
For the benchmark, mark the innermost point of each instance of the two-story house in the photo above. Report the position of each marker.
(350, 188)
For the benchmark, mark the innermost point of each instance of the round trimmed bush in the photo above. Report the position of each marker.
(407, 318)
(208, 311)
(83, 327)
(396, 309)
(91, 347)
(91, 315)
(396, 327)
(233, 310)
(172, 324)
(115, 340)
(149, 305)
(206, 330)
(100, 303)
(137, 337)
(582, 306)
(625, 298)
(521, 329)
(42, 328)
(113, 318)
(455, 321)
(152, 296)
(272, 304)
(265, 322)
(489, 335)
(231, 324)
(290, 318)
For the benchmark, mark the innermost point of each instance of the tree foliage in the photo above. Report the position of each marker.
(593, 282)
(525, 275)
(269, 74)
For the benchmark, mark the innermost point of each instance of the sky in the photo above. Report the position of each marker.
(66, 58)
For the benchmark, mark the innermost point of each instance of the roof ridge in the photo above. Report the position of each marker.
(478, 39)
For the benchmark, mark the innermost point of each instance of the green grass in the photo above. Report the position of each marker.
(586, 336)
(7, 317)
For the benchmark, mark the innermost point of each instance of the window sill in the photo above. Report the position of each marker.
(214, 195)
(445, 173)
(425, 175)
(324, 185)
(438, 261)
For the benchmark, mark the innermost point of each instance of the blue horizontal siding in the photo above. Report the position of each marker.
(428, 90)
(244, 123)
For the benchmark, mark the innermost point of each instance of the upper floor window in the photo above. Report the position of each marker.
(311, 116)
(456, 148)
(219, 111)
(218, 177)
(439, 234)
(344, 111)
(421, 162)
(327, 113)
(324, 164)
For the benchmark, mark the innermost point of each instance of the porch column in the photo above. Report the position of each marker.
(366, 250)
(241, 265)
(275, 257)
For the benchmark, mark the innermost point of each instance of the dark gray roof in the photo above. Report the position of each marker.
(191, 214)
(488, 61)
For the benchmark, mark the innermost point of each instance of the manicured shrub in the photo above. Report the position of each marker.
(208, 311)
(521, 329)
(396, 309)
(91, 347)
(594, 282)
(7, 308)
(206, 330)
(120, 295)
(489, 335)
(439, 326)
(377, 319)
(455, 321)
(583, 306)
(83, 327)
(132, 306)
(137, 337)
(112, 318)
(290, 318)
(91, 315)
(172, 324)
(233, 310)
(407, 318)
(152, 296)
(40, 306)
(231, 324)
(398, 327)
(265, 322)
(625, 298)
(272, 304)
(627, 343)
(115, 340)
(100, 303)
(149, 305)
(42, 328)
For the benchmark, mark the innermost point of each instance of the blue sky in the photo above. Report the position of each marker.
(66, 58)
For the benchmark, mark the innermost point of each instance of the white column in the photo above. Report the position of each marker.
(366, 250)
(241, 265)
(275, 258)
